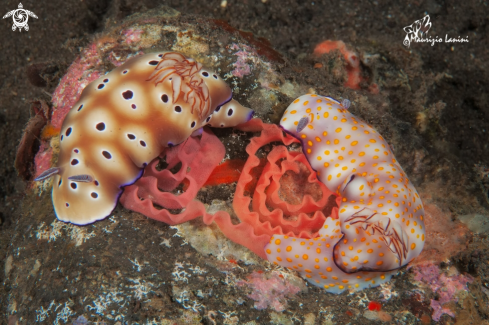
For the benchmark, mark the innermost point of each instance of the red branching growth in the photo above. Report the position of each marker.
(279, 205)
(198, 158)
(185, 80)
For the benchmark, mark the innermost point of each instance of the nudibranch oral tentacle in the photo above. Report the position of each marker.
(380, 226)
(124, 120)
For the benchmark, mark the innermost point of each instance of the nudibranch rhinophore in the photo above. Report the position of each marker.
(124, 119)
(380, 226)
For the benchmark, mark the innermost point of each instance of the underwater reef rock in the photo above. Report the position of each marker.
(29, 144)
(131, 269)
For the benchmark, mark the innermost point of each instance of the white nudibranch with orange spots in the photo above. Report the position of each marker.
(124, 119)
(380, 226)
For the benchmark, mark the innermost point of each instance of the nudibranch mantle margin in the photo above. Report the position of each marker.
(381, 218)
(124, 119)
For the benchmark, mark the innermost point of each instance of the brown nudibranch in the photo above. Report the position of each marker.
(124, 119)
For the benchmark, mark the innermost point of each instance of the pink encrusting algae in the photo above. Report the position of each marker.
(73, 82)
(445, 286)
(242, 66)
(132, 35)
(43, 159)
(269, 291)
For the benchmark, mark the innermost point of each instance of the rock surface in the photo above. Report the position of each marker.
(132, 270)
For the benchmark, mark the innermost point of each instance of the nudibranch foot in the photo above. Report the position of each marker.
(124, 120)
(381, 218)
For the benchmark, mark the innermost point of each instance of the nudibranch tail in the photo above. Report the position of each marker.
(230, 114)
(124, 119)
(381, 217)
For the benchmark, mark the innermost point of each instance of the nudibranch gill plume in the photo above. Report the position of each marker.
(380, 226)
(124, 120)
